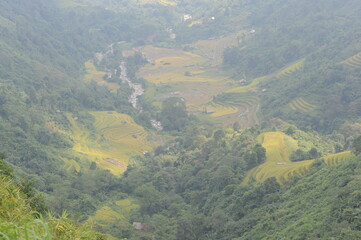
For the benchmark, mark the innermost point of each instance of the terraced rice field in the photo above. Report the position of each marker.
(174, 72)
(300, 104)
(71, 164)
(219, 110)
(116, 139)
(246, 88)
(183, 74)
(213, 49)
(354, 61)
(278, 147)
(93, 75)
(195, 76)
(198, 22)
(235, 98)
(287, 71)
(337, 158)
(166, 60)
(106, 215)
(284, 72)
(118, 211)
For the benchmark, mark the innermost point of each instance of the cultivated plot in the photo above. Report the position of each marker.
(353, 62)
(93, 75)
(115, 139)
(278, 147)
(302, 105)
(191, 76)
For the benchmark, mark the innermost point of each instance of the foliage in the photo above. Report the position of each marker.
(300, 155)
(174, 115)
(20, 214)
(196, 194)
(357, 145)
(314, 81)
(298, 61)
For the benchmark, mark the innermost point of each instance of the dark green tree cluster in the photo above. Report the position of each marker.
(174, 116)
(300, 155)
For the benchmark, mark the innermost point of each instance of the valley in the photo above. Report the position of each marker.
(180, 120)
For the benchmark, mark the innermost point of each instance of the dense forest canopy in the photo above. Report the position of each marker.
(178, 119)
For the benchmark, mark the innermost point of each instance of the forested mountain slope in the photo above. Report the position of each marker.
(322, 39)
(191, 190)
(43, 50)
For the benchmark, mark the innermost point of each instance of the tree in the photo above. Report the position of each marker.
(291, 130)
(5, 169)
(236, 126)
(313, 153)
(357, 146)
(218, 135)
(174, 115)
(232, 56)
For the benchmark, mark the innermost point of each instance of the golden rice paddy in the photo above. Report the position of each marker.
(93, 75)
(337, 158)
(290, 69)
(301, 105)
(354, 61)
(278, 147)
(116, 139)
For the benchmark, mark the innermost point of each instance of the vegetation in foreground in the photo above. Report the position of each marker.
(23, 214)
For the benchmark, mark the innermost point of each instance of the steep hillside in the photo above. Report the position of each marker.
(201, 188)
(321, 205)
(43, 51)
(20, 214)
(321, 90)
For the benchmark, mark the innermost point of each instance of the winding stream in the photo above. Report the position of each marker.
(138, 90)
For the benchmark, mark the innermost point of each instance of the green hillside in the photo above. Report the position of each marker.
(21, 209)
(224, 188)
(326, 76)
